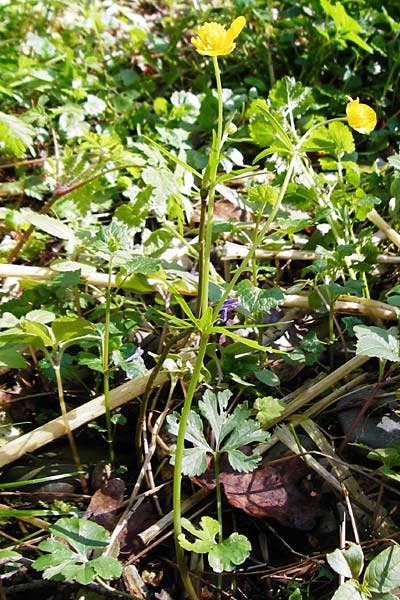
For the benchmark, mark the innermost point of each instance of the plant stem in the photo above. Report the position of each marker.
(259, 238)
(207, 207)
(56, 364)
(105, 364)
(180, 442)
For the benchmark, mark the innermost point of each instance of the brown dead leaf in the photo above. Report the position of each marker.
(105, 503)
(273, 490)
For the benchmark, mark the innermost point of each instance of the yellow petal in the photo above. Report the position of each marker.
(213, 39)
(361, 117)
(236, 28)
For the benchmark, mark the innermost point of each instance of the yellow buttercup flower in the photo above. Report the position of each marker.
(361, 117)
(214, 40)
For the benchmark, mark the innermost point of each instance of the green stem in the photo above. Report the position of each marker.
(180, 442)
(56, 364)
(259, 238)
(207, 209)
(105, 364)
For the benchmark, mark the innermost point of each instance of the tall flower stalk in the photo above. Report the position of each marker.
(212, 40)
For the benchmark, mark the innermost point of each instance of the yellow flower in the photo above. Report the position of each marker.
(214, 40)
(361, 117)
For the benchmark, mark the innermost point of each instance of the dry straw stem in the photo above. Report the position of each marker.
(344, 304)
(232, 251)
(78, 416)
(390, 233)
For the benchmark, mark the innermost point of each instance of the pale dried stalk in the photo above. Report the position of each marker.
(349, 305)
(344, 304)
(390, 233)
(76, 418)
(319, 387)
(343, 473)
(232, 251)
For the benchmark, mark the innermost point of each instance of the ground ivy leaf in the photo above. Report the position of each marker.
(268, 408)
(82, 573)
(229, 553)
(254, 300)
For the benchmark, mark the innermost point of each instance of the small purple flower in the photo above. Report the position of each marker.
(137, 354)
(228, 305)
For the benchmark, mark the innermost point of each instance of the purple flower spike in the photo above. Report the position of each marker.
(228, 305)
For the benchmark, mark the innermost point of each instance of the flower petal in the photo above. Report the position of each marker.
(213, 39)
(236, 28)
(361, 117)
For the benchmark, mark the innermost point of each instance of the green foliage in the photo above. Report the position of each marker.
(222, 556)
(231, 432)
(268, 408)
(381, 578)
(15, 136)
(377, 342)
(74, 553)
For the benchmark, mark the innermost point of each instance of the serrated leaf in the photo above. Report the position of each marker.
(245, 432)
(226, 555)
(349, 562)
(383, 572)
(377, 342)
(142, 265)
(194, 461)
(194, 429)
(290, 95)
(242, 462)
